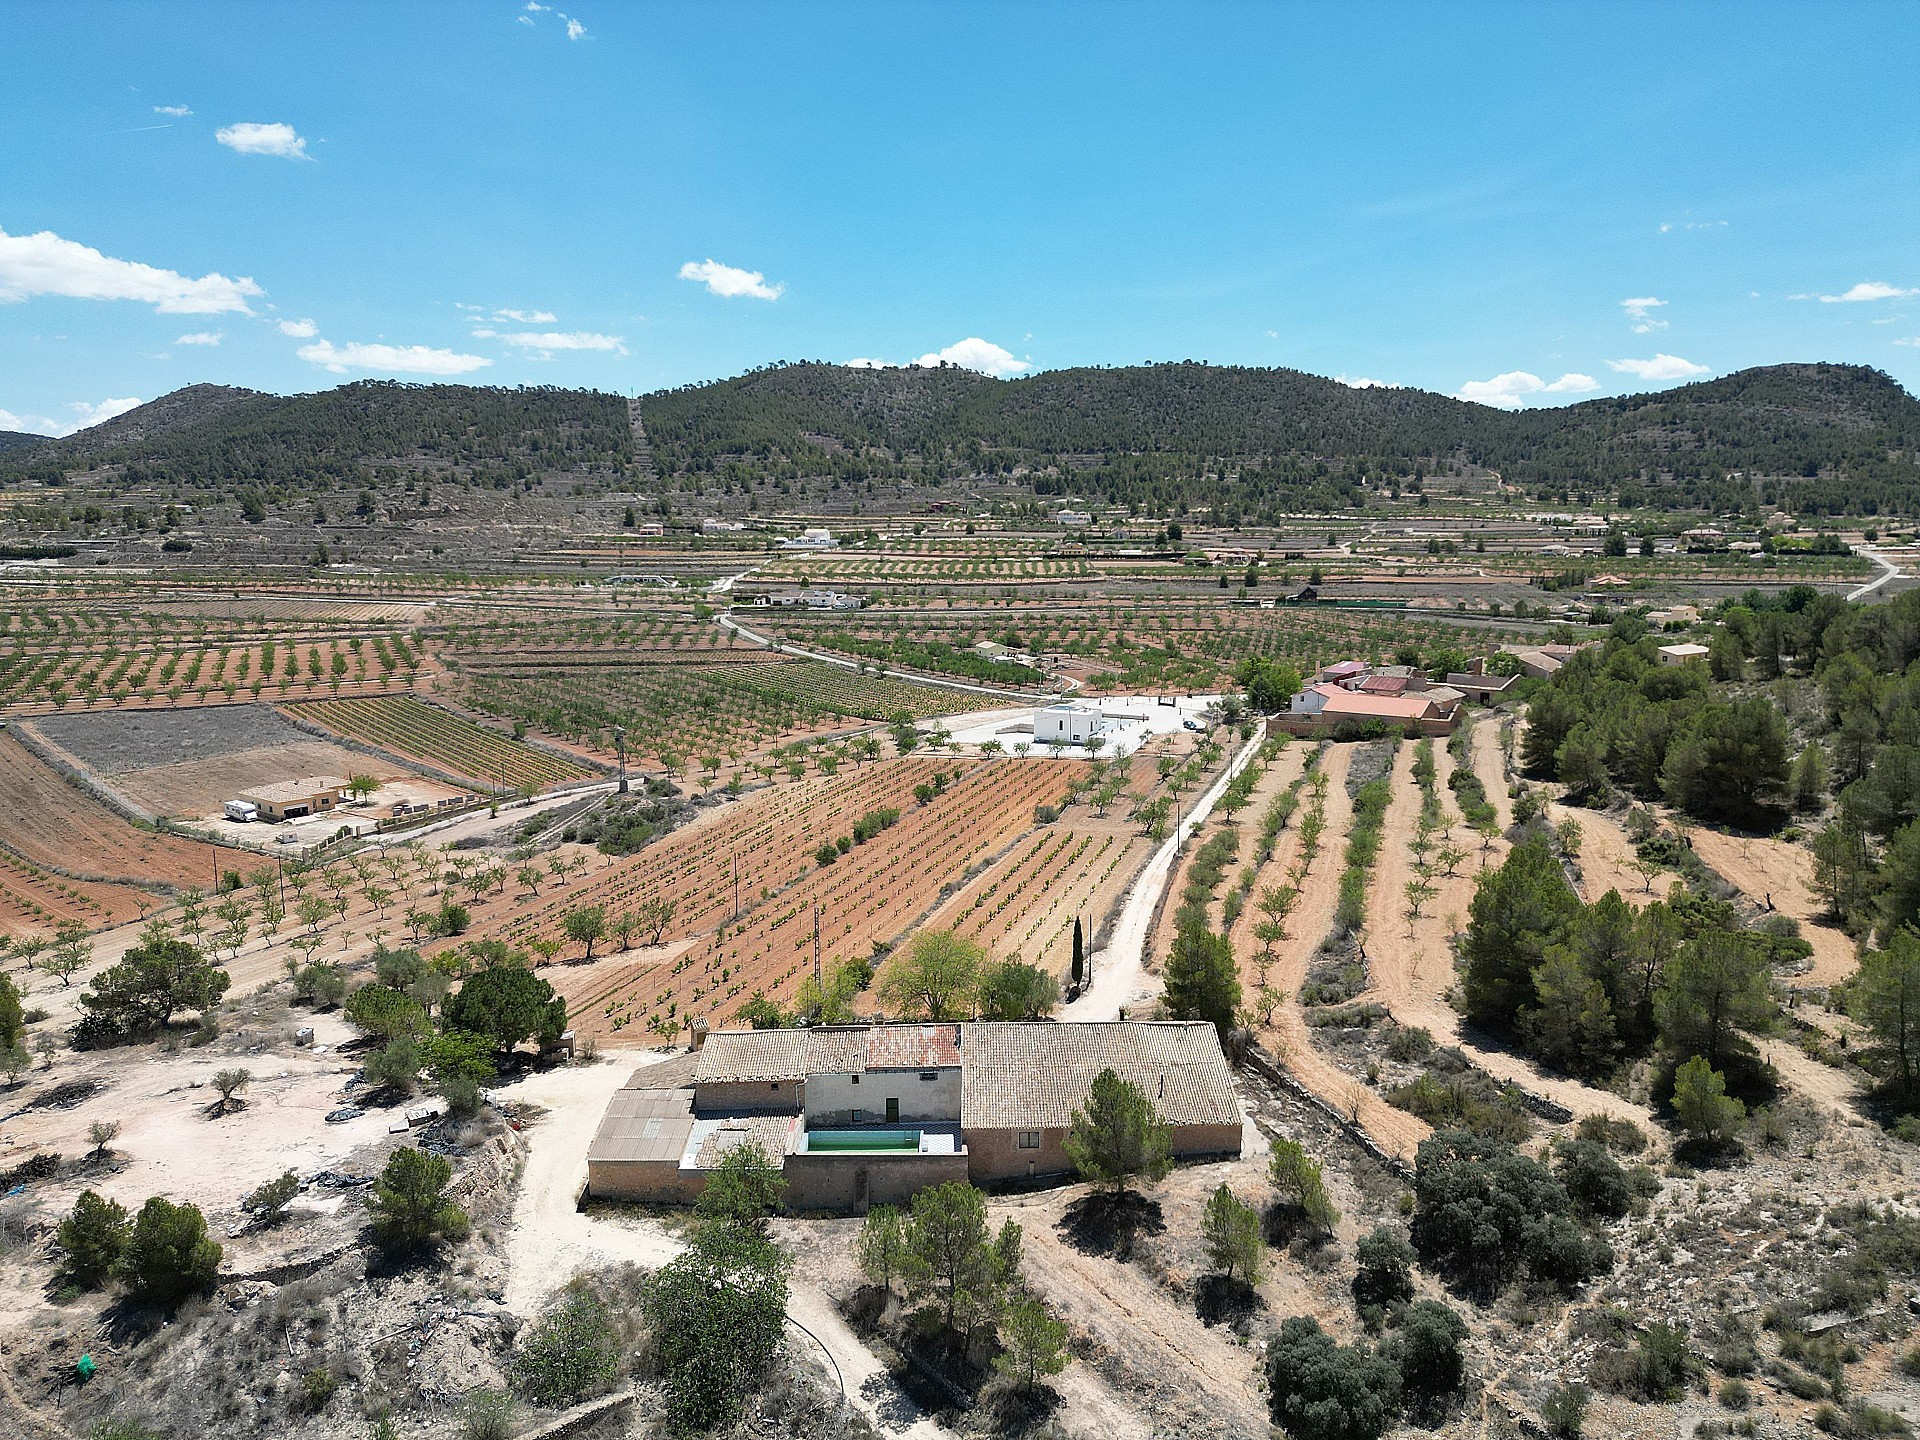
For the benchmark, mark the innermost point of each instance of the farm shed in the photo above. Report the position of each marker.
(1071, 723)
(291, 799)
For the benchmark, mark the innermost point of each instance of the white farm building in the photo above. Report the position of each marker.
(1072, 722)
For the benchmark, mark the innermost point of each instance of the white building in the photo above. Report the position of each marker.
(1072, 722)
(1681, 654)
(1074, 517)
(812, 538)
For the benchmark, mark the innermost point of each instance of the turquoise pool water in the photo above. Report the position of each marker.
(819, 1140)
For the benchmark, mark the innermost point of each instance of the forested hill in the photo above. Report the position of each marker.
(18, 439)
(1814, 437)
(212, 435)
(1252, 443)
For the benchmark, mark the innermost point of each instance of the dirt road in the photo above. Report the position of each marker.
(1120, 977)
(551, 1239)
(1782, 872)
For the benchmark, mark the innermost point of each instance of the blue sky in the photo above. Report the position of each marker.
(1467, 198)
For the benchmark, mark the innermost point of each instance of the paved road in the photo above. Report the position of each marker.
(1888, 571)
(1119, 971)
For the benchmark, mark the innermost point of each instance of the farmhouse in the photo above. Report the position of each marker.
(1432, 712)
(1681, 654)
(1074, 517)
(291, 799)
(812, 538)
(871, 1114)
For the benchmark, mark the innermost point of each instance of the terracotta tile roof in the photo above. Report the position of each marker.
(769, 1132)
(912, 1047)
(1377, 707)
(1033, 1076)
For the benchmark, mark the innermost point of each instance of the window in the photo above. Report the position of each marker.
(773, 1085)
(1029, 1139)
(859, 1117)
(929, 1074)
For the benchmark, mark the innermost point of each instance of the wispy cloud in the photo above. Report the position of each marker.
(1660, 367)
(299, 329)
(547, 341)
(575, 30)
(1640, 312)
(1365, 382)
(85, 413)
(179, 112)
(1506, 391)
(1915, 340)
(390, 359)
(729, 281)
(525, 317)
(201, 337)
(1667, 227)
(251, 137)
(45, 264)
(1865, 290)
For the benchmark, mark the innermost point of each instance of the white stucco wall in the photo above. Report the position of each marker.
(831, 1099)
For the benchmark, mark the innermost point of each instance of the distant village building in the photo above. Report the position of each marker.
(812, 538)
(859, 1115)
(1681, 654)
(810, 599)
(1074, 517)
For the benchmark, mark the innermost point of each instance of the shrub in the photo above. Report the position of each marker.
(1593, 1179)
(505, 1004)
(1483, 1212)
(93, 1237)
(486, 1415)
(269, 1203)
(1427, 1351)
(1319, 1389)
(1735, 1395)
(168, 1255)
(409, 1208)
(1301, 1184)
(317, 1387)
(1384, 1276)
(717, 1314)
(1564, 1411)
(570, 1352)
(1657, 1368)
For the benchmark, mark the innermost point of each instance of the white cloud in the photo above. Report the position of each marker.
(299, 329)
(179, 112)
(524, 19)
(1660, 367)
(1914, 341)
(1506, 391)
(45, 264)
(729, 281)
(575, 30)
(1667, 227)
(88, 413)
(250, 137)
(400, 359)
(1865, 290)
(201, 337)
(973, 353)
(533, 7)
(30, 424)
(1573, 383)
(862, 362)
(1641, 313)
(526, 317)
(1365, 382)
(103, 410)
(563, 340)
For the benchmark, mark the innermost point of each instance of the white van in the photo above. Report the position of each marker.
(242, 810)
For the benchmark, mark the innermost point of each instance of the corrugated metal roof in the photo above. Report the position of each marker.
(1033, 1075)
(644, 1125)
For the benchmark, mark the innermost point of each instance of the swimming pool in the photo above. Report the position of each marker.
(887, 1140)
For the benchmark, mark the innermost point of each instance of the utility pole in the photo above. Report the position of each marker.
(735, 867)
(818, 983)
(620, 745)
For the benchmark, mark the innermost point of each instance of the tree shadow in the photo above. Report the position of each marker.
(1014, 1411)
(1225, 1300)
(1103, 1223)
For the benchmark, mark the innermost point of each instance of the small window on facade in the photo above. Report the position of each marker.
(1029, 1139)
(773, 1085)
(854, 1078)
(859, 1116)
(929, 1074)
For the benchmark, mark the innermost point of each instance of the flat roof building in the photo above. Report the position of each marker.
(292, 799)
